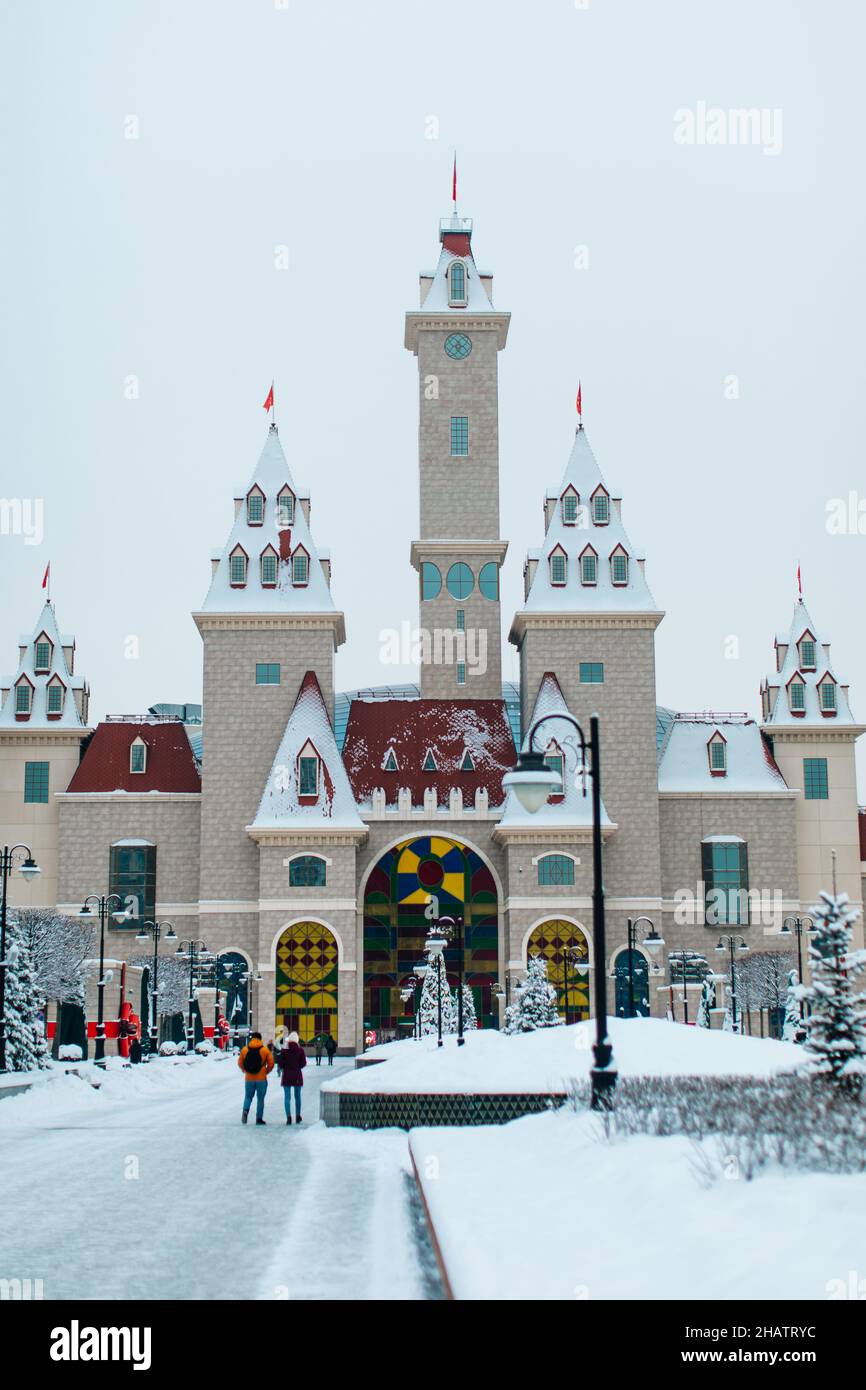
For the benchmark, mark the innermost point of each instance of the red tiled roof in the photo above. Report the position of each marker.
(457, 243)
(170, 766)
(410, 727)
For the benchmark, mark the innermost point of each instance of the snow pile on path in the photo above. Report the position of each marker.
(552, 1059)
(58, 1092)
(634, 1219)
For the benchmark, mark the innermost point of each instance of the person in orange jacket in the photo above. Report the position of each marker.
(256, 1062)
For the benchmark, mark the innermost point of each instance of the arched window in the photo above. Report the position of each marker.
(307, 871)
(457, 283)
(488, 580)
(431, 580)
(556, 869)
(564, 947)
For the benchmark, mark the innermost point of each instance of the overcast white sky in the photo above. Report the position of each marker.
(305, 126)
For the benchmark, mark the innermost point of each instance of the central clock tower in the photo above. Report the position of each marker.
(456, 336)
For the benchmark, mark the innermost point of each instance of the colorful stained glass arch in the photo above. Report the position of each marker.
(552, 940)
(307, 973)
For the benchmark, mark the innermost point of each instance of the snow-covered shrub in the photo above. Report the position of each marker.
(535, 1001)
(70, 1052)
(171, 1049)
(707, 1002)
(204, 1049)
(836, 1027)
(26, 1046)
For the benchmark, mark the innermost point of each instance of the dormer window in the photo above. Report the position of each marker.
(309, 772)
(558, 567)
(285, 507)
(42, 655)
(429, 764)
(570, 505)
(797, 696)
(300, 568)
(457, 284)
(390, 764)
(23, 699)
(138, 755)
(54, 698)
(808, 652)
(466, 763)
(255, 507)
(238, 568)
(268, 562)
(600, 507)
(555, 760)
(717, 752)
(619, 567)
(827, 695)
(589, 566)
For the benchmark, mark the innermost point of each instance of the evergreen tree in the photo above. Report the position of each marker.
(26, 1047)
(792, 1025)
(707, 1002)
(535, 1002)
(429, 1006)
(470, 1018)
(836, 1028)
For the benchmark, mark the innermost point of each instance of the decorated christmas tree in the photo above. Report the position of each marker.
(836, 1028)
(792, 1026)
(535, 1001)
(470, 1018)
(429, 1006)
(26, 1047)
(707, 1002)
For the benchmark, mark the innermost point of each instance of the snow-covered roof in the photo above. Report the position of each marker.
(282, 806)
(59, 667)
(776, 684)
(271, 475)
(457, 248)
(684, 763)
(583, 475)
(573, 808)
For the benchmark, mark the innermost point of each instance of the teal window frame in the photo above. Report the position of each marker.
(237, 569)
(429, 764)
(558, 569)
(816, 784)
(36, 780)
(601, 509)
(725, 867)
(555, 870)
(556, 763)
(268, 569)
(808, 654)
(798, 695)
(54, 698)
(461, 619)
(718, 756)
(308, 871)
(286, 508)
(267, 673)
(591, 672)
(458, 346)
(255, 509)
(488, 580)
(308, 768)
(589, 568)
(459, 436)
(460, 581)
(619, 569)
(300, 569)
(42, 663)
(457, 283)
(431, 580)
(570, 503)
(132, 874)
(828, 688)
(25, 704)
(461, 673)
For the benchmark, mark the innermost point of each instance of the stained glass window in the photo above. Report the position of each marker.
(564, 946)
(458, 346)
(307, 981)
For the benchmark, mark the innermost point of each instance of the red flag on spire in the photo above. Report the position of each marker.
(269, 399)
(579, 401)
(46, 575)
(454, 181)
(799, 584)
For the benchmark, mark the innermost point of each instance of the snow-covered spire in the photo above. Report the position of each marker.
(804, 688)
(558, 739)
(587, 562)
(270, 564)
(44, 692)
(307, 787)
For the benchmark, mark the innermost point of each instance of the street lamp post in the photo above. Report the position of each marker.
(154, 929)
(448, 927)
(682, 957)
(785, 930)
(29, 869)
(533, 782)
(571, 955)
(105, 906)
(436, 947)
(733, 944)
(653, 943)
(195, 951)
(417, 983)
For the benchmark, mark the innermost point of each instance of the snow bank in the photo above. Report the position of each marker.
(65, 1089)
(553, 1058)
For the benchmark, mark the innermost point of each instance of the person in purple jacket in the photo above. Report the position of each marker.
(291, 1062)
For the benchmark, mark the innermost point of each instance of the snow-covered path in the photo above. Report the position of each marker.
(162, 1193)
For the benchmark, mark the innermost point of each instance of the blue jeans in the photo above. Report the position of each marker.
(287, 1100)
(257, 1089)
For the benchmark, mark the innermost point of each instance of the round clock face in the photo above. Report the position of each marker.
(457, 345)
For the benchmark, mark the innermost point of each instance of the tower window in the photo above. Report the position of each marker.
(300, 568)
(601, 509)
(286, 508)
(23, 698)
(43, 657)
(269, 569)
(267, 673)
(797, 692)
(488, 580)
(36, 782)
(390, 764)
(807, 654)
(569, 508)
(556, 762)
(255, 509)
(556, 870)
(592, 672)
(718, 754)
(828, 697)
(238, 569)
(558, 568)
(589, 567)
(307, 871)
(815, 784)
(459, 436)
(138, 755)
(619, 567)
(431, 580)
(466, 763)
(55, 698)
(460, 581)
(726, 882)
(457, 283)
(461, 619)
(461, 673)
(308, 776)
(429, 764)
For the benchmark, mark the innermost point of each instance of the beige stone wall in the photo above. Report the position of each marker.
(90, 824)
(36, 824)
(481, 615)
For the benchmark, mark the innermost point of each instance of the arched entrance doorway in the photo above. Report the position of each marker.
(398, 890)
(563, 945)
(307, 973)
(637, 980)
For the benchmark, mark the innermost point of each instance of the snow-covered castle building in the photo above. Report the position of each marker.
(302, 832)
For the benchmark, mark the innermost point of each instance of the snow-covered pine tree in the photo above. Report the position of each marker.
(429, 1006)
(535, 1001)
(707, 1002)
(792, 1025)
(836, 1028)
(26, 1047)
(470, 1018)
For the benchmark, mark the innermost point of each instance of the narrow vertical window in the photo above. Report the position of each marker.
(459, 436)
(457, 283)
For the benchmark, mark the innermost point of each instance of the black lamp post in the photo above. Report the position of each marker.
(733, 944)
(453, 926)
(29, 869)
(436, 947)
(785, 930)
(682, 957)
(416, 982)
(532, 782)
(572, 956)
(154, 929)
(105, 905)
(653, 943)
(195, 952)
